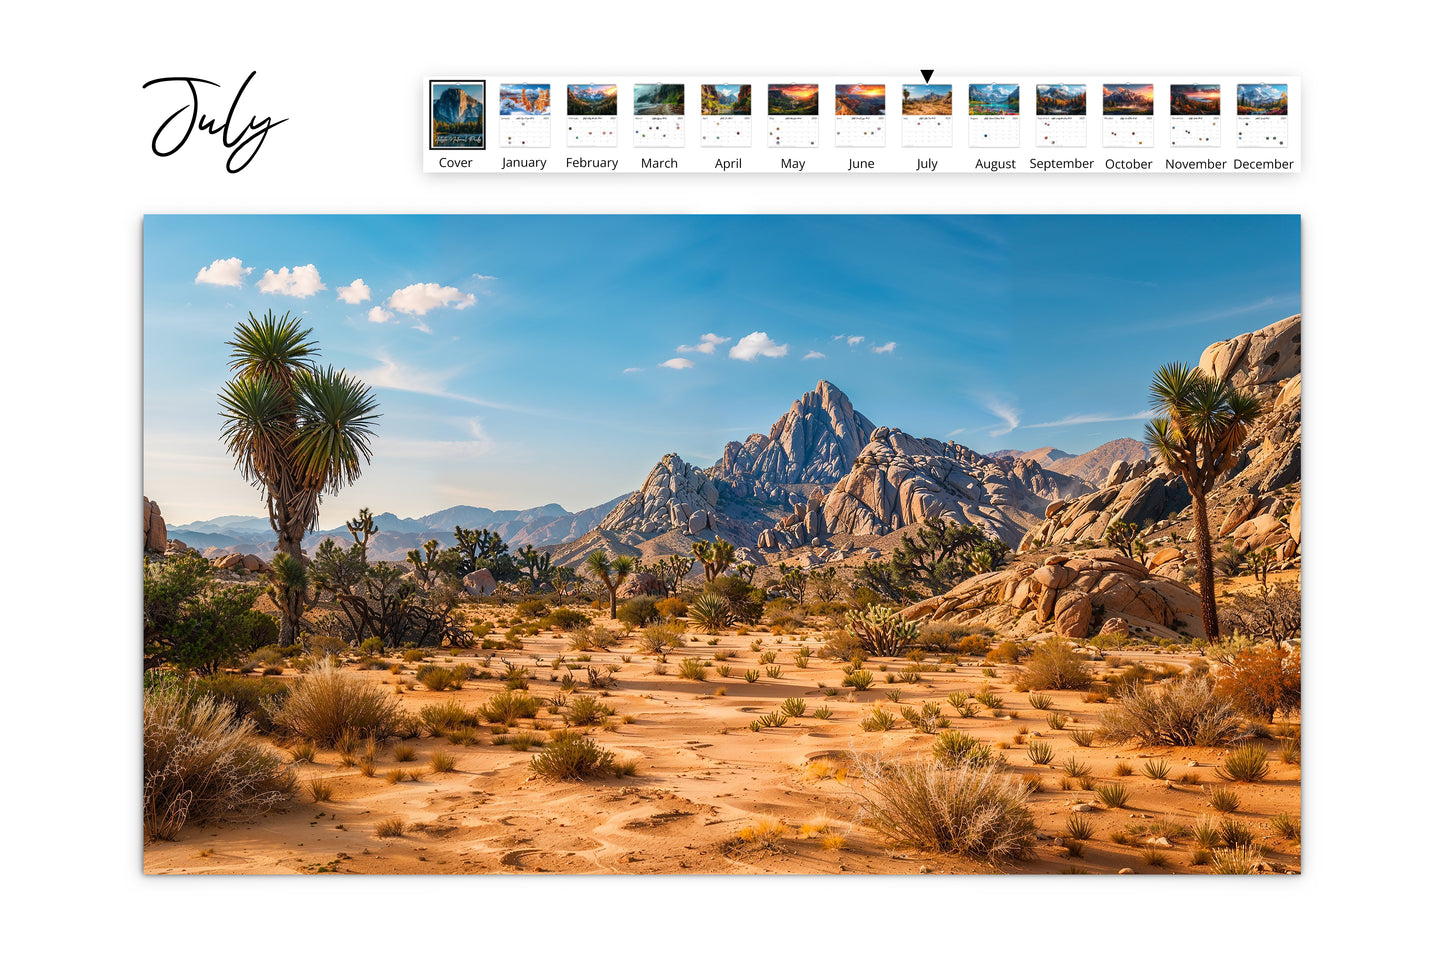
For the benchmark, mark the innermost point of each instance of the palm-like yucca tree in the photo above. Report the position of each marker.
(610, 572)
(297, 430)
(1201, 425)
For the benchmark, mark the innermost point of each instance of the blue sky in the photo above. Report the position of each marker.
(521, 360)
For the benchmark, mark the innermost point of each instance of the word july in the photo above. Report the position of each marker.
(237, 139)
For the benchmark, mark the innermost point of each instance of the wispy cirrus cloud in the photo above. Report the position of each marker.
(884, 348)
(1007, 414)
(814, 355)
(1091, 419)
(677, 364)
(706, 345)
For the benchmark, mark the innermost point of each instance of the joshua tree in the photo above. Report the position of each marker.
(289, 589)
(537, 565)
(362, 528)
(715, 557)
(297, 430)
(610, 572)
(1201, 425)
(1124, 536)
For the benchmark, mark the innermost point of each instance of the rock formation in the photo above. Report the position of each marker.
(898, 480)
(1075, 595)
(479, 582)
(1263, 485)
(676, 495)
(153, 530)
(813, 444)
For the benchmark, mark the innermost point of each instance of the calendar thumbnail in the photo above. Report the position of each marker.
(458, 115)
(1128, 115)
(592, 115)
(792, 115)
(927, 115)
(727, 115)
(1194, 115)
(657, 115)
(524, 115)
(1263, 115)
(993, 115)
(1061, 111)
(858, 115)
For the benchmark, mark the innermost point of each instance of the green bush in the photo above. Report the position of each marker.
(248, 697)
(712, 612)
(1054, 665)
(196, 623)
(571, 755)
(567, 619)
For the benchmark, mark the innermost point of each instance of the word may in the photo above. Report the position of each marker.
(237, 139)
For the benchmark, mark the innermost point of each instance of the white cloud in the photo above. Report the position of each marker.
(854, 340)
(755, 344)
(707, 345)
(378, 315)
(301, 281)
(354, 293)
(631, 370)
(676, 363)
(1008, 414)
(224, 272)
(884, 348)
(486, 277)
(418, 299)
(1069, 420)
(422, 326)
(813, 354)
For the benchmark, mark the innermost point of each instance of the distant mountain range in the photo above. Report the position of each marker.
(456, 106)
(1092, 466)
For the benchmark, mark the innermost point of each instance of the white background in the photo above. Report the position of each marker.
(78, 176)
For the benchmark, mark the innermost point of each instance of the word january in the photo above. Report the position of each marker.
(236, 139)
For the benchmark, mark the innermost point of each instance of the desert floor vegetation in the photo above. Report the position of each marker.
(537, 754)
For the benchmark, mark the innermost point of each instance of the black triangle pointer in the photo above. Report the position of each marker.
(927, 75)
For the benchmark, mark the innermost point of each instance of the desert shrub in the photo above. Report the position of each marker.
(1233, 834)
(532, 608)
(879, 630)
(1285, 826)
(1157, 769)
(1082, 737)
(248, 698)
(973, 810)
(879, 720)
(1246, 764)
(693, 670)
(1115, 795)
(439, 678)
(567, 619)
(1181, 712)
(671, 608)
(1057, 720)
(1054, 665)
(571, 755)
(319, 789)
(859, 679)
(1222, 799)
(794, 706)
(712, 612)
(1272, 613)
(661, 637)
(509, 705)
(196, 623)
(1006, 651)
(988, 700)
(1263, 680)
(1079, 827)
(325, 704)
(439, 718)
(443, 761)
(199, 762)
(593, 637)
(1235, 862)
(638, 611)
(1204, 833)
(1040, 701)
(1040, 752)
(587, 710)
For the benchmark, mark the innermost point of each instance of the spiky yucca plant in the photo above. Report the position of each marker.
(881, 631)
(1201, 426)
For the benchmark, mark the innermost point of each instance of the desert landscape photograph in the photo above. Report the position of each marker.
(886, 545)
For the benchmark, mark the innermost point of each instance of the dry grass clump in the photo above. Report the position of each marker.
(1223, 799)
(509, 705)
(1115, 795)
(1236, 861)
(391, 827)
(973, 810)
(325, 705)
(1181, 712)
(200, 762)
(443, 761)
(1246, 764)
(1054, 665)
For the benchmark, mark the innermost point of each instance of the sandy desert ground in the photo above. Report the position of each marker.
(711, 796)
